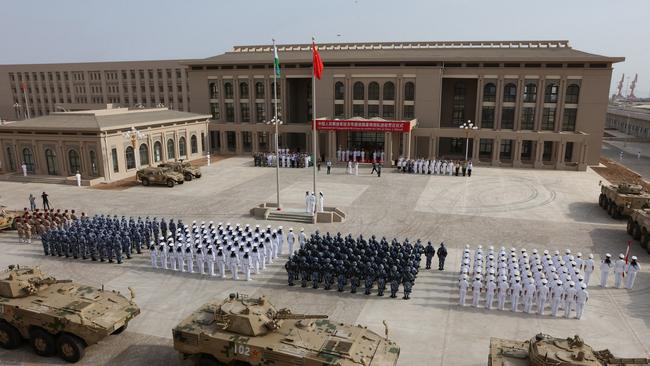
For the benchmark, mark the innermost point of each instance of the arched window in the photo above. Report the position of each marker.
(10, 157)
(243, 90)
(530, 93)
(50, 162)
(214, 93)
(409, 91)
(489, 92)
(194, 144)
(182, 148)
(389, 91)
(157, 151)
(93, 162)
(74, 161)
(572, 93)
(228, 91)
(259, 90)
(373, 91)
(130, 158)
(358, 91)
(28, 159)
(144, 154)
(509, 92)
(550, 95)
(339, 91)
(171, 151)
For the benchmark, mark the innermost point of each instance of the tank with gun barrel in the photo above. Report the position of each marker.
(544, 350)
(620, 200)
(58, 316)
(251, 331)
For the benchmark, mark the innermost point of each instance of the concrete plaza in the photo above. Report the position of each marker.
(510, 207)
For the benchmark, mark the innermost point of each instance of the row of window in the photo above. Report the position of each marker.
(528, 118)
(506, 148)
(93, 75)
(129, 153)
(388, 91)
(551, 93)
(74, 161)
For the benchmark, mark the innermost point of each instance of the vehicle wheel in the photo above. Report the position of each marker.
(70, 348)
(606, 203)
(170, 183)
(42, 342)
(616, 212)
(636, 232)
(10, 337)
(145, 182)
(630, 226)
(601, 200)
(120, 329)
(207, 360)
(188, 177)
(644, 239)
(198, 176)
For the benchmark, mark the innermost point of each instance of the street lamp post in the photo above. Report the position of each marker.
(17, 109)
(135, 135)
(467, 126)
(276, 122)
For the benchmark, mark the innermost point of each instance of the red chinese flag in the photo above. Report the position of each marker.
(318, 62)
(23, 86)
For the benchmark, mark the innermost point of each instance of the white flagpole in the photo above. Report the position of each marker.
(24, 87)
(313, 114)
(277, 121)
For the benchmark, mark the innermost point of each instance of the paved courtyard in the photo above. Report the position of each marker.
(510, 207)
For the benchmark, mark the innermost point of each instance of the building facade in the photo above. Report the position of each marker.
(103, 145)
(632, 121)
(39, 89)
(537, 103)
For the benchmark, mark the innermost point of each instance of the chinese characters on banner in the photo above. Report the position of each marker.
(354, 125)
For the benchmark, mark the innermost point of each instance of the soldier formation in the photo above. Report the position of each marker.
(33, 223)
(219, 250)
(359, 155)
(433, 166)
(288, 159)
(534, 281)
(623, 271)
(100, 237)
(337, 261)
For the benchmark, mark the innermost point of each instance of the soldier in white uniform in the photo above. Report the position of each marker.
(200, 258)
(302, 239)
(619, 269)
(503, 292)
(569, 299)
(489, 293)
(154, 256)
(463, 285)
(542, 295)
(349, 167)
(556, 297)
(221, 263)
(312, 202)
(476, 291)
(234, 265)
(307, 202)
(291, 237)
(605, 266)
(582, 296)
(588, 267)
(210, 257)
(246, 265)
(321, 202)
(529, 292)
(631, 272)
(515, 293)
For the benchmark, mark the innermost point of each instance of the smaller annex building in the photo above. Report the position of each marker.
(103, 145)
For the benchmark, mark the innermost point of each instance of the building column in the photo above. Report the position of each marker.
(223, 148)
(255, 140)
(331, 145)
(516, 156)
(559, 162)
(539, 152)
(496, 144)
(475, 148)
(388, 148)
(239, 142)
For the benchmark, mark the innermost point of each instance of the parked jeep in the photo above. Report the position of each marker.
(158, 175)
(188, 170)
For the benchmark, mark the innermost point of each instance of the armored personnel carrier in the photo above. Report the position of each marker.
(8, 218)
(157, 175)
(58, 316)
(638, 225)
(620, 200)
(188, 170)
(251, 331)
(544, 350)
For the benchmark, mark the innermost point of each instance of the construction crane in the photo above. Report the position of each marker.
(631, 95)
(619, 88)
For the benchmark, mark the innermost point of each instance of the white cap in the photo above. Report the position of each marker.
(568, 251)
(572, 283)
(583, 285)
(608, 255)
(544, 281)
(591, 256)
(634, 257)
(290, 229)
(621, 256)
(579, 254)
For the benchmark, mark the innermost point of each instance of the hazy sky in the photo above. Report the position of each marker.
(89, 30)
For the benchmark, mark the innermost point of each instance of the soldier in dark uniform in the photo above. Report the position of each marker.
(442, 254)
(429, 253)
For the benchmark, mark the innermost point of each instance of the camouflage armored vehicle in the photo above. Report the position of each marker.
(188, 170)
(163, 176)
(58, 316)
(620, 200)
(544, 350)
(247, 331)
(7, 218)
(638, 225)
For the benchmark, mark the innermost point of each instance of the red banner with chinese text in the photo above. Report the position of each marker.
(356, 125)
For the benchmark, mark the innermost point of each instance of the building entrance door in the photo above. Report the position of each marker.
(366, 141)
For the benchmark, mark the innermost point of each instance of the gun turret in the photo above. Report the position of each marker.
(286, 314)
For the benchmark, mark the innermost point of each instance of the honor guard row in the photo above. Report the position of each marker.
(34, 223)
(360, 155)
(287, 159)
(213, 250)
(437, 167)
(339, 261)
(531, 281)
(623, 271)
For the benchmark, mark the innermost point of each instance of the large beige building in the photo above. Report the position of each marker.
(39, 89)
(537, 103)
(633, 120)
(103, 145)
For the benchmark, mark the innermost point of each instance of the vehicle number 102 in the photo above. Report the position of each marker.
(241, 349)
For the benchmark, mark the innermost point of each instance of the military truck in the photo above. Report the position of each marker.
(7, 218)
(638, 225)
(188, 170)
(544, 350)
(157, 175)
(251, 331)
(58, 316)
(620, 200)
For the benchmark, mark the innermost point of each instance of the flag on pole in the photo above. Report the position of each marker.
(276, 60)
(318, 62)
(23, 86)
